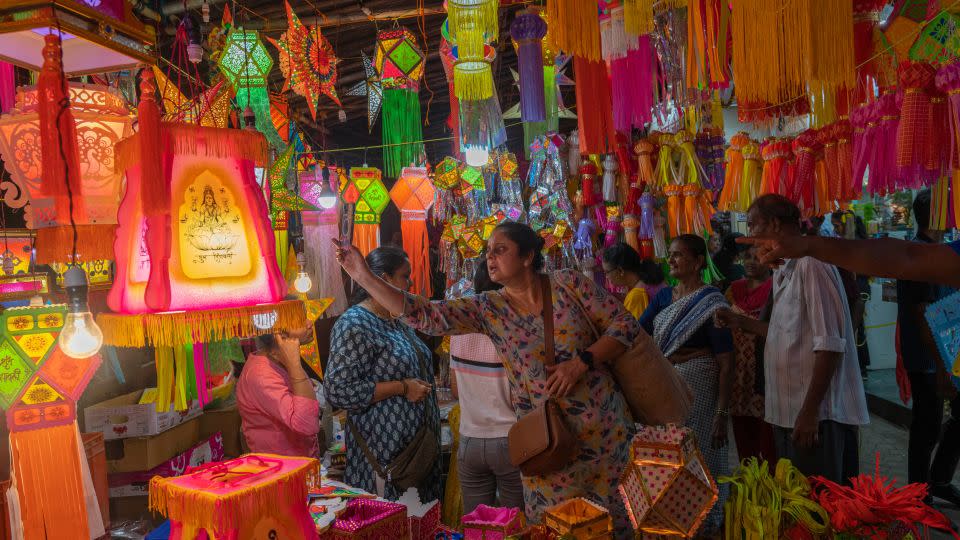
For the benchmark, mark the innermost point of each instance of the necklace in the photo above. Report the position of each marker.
(377, 310)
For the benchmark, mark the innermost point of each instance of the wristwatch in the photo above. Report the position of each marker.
(586, 357)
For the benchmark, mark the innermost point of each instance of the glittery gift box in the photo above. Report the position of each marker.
(579, 518)
(424, 527)
(490, 523)
(368, 519)
(666, 488)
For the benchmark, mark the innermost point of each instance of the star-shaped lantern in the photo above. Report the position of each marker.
(370, 87)
(282, 199)
(307, 61)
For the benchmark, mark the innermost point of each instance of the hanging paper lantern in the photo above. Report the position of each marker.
(372, 88)
(481, 120)
(473, 23)
(307, 61)
(31, 139)
(39, 388)
(365, 189)
(527, 31)
(193, 233)
(399, 62)
(282, 199)
(245, 62)
(413, 194)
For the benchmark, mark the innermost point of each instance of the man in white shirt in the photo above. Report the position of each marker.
(814, 393)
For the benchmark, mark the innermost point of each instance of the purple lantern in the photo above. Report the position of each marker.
(527, 31)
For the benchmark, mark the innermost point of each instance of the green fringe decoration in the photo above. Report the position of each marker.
(402, 133)
(532, 130)
(711, 274)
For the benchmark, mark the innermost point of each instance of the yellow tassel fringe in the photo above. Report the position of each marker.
(473, 23)
(473, 81)
(638, 16)
(203, 141)
(175, 329)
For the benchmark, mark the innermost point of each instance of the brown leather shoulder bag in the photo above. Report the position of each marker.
(541, 442)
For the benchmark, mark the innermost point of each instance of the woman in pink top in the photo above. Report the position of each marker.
(278, 405)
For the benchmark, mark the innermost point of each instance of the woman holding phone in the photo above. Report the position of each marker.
(279, 412)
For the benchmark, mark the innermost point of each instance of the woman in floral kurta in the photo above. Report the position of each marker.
(595, 409)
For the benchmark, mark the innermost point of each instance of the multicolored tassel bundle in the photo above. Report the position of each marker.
(883, 121)
(806, 148)
(708, 58)
(710, 150)
(947, 192)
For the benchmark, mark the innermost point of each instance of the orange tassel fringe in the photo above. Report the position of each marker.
(94, 242)
(575, 28)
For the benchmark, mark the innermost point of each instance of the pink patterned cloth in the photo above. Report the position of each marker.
(274, 419)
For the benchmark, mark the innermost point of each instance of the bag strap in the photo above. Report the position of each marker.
(549, 353)
(372, 459)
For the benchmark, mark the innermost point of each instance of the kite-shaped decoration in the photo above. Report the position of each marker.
(307, 61)
(399, 62)
(370, 87)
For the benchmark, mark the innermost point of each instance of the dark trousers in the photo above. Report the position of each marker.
(925, 433)
(836, 456)
(754, 438)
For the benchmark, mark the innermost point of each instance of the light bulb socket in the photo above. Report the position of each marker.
(75, 285)
(194, 53)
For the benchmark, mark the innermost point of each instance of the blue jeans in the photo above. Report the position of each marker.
(486, 472)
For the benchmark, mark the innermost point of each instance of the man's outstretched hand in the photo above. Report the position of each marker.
(773, 250)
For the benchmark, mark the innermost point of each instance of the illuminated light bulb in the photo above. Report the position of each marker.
(303, 283)
(327, 200)
(81, 337)
(477, 156)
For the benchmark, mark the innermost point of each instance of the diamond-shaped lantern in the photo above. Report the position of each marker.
(245, 60)
(101, 119)
(398, 59)
(98, 35)
(366, 191)
(39, 384)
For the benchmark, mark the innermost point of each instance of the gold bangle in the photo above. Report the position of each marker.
(295, 381)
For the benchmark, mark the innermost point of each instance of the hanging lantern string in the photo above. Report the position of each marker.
(64, 105)
(373, 147)
(912, 34)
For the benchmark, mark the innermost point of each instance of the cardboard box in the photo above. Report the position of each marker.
(138, 483)
(226, 421)
(123, 417)
(145, 453)
(97, 460)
